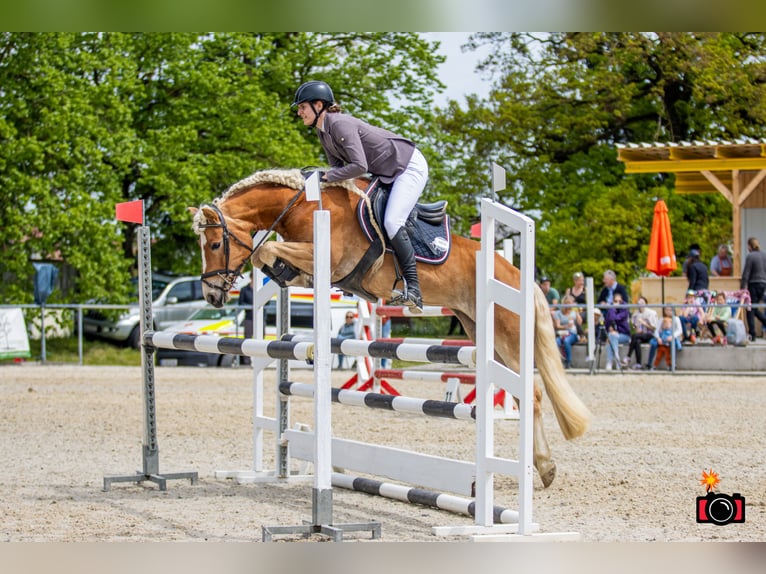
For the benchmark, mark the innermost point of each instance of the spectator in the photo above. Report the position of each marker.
(685, 265)
(645, 322)
(551, 293)
(720, 264)
(664, 340)
(720, 314)
(611, 286)
(565, 322)
(696, 272)
(347, 331)
(676, 334)
(577, 290)
(754, 280)
(617, 322)
(246, 301)
(692, 316)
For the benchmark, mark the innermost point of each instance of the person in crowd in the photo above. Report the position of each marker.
(611, 287)
(578, 291)
(692, 317)
(551, 293)
(687, 260)
(696, 272)
(754, 280)
(385, 332)
(617, 322)
(721, 264)
(676, 335)
(664, 340)
(565, 321)
(246, 301)
(355, 148)
(645, 322)
(347, 331)
(720, 315)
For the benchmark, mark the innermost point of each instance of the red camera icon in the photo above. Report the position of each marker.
(720, 509)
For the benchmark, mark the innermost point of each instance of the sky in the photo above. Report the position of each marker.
(458, 73)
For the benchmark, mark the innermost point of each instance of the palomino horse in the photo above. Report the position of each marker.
(273, 200)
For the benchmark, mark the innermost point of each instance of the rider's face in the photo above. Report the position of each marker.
(306, 113)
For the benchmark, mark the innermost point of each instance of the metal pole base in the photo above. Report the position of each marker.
(159, 479)
(334, 531)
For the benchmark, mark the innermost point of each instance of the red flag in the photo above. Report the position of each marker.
(476, 230)
(130, 211)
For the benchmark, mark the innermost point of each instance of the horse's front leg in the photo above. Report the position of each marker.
(289, 263)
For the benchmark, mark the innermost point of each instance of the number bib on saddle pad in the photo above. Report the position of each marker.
(428, 224)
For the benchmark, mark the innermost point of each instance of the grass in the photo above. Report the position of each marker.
(64, 350)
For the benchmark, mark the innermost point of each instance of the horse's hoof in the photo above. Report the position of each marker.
(548, 473)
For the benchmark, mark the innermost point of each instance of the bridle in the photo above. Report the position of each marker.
(227, 275)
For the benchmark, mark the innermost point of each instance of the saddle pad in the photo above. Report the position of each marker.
(432, 243)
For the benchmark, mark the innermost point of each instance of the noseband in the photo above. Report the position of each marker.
(229, 276)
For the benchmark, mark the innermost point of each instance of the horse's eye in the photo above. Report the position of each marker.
(215, 245)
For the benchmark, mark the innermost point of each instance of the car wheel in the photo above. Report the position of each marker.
(134, 339)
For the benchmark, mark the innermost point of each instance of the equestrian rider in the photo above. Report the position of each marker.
(355, 148)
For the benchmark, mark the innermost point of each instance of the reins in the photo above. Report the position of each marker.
(229, 276)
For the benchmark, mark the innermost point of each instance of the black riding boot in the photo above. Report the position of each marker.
(405, 254)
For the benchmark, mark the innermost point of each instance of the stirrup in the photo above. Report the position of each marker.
(403, 298)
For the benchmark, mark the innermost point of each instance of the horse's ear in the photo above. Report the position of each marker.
(193, 210)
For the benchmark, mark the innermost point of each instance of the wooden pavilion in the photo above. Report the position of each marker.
(735, 169)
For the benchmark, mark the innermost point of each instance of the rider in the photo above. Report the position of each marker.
(354, 148)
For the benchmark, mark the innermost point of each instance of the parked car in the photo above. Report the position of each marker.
(173, 300)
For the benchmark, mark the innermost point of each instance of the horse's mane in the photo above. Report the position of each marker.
(292, 178)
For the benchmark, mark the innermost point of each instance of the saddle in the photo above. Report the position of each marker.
(427, 225)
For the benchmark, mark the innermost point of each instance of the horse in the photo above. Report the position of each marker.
(275, 201)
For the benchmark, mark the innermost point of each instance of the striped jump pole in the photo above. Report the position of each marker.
(296, 350)
(399, 404)
(465, 355)
(426, 341)
(414, 495)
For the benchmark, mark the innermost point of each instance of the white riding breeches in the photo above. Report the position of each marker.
(405, 193)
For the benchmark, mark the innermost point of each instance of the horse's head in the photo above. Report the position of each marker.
(224, 254)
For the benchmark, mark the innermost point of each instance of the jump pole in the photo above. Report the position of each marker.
(150, 453)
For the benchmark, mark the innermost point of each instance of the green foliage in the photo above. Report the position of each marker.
(88, 120)
(559, 106)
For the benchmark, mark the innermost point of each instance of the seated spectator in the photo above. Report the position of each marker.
(692, 316)
(676, 332)
(720, 264)
(611, 286)
(664, 341)
(565, 322)
(644, 321)
(578, 291)
(720, 315)
(551, 293)
(617, 322)
(347, 331)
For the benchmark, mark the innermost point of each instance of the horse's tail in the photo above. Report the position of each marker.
(571, 412)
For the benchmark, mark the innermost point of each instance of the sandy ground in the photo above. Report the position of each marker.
(633, 477)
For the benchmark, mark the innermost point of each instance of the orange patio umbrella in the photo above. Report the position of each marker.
(662, 255)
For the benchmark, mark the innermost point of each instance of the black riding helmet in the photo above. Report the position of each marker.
(311, 92)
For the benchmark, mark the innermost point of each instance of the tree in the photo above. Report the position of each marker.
(92, 119)
(560, 104)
